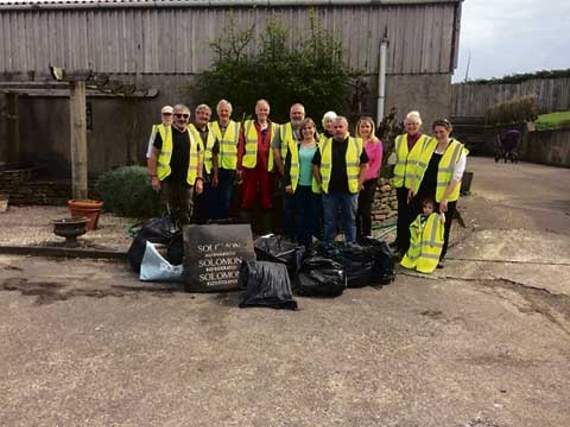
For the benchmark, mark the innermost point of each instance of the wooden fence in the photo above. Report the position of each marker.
(473, 100)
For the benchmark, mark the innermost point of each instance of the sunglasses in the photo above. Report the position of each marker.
(167, 114)
(180, 115)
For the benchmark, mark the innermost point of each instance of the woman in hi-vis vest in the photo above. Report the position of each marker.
(255, 166)
(438, 176)
(408, 147)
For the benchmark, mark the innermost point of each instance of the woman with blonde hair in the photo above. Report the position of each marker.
(298, 180)
(365, 129)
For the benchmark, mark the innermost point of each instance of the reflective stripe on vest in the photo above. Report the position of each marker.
(163, 168)
(295, 166)
(406, 161)
(426, 244)
(250, 156)
(287, 137)
(353, 152)
(207, 146)
(228, 143)
(445, 169)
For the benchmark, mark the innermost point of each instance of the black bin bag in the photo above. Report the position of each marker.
(278, 249)
(266, 284)
(366, 263)
(320, 277)
(156, 230)
(384, 259)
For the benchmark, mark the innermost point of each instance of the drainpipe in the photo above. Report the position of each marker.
(382, 79)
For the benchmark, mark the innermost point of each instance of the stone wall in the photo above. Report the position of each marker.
(550, 147)
(385, 205)
(23, 188)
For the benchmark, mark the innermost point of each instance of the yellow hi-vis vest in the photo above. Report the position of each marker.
(228, 143)
(294, 171)
(406, 161)
(163, 168)
(445, 168)
(206, 146)
(249, 159)
(287, 136)
(426, 244)
(353, 152)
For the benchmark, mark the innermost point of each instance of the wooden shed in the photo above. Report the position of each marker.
(140, 41)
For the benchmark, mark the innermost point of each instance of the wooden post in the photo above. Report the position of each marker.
(14, 148)
(78, 134)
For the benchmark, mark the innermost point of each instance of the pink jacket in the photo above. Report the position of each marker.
(375, 151)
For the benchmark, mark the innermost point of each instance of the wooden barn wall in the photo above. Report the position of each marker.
(177, 40)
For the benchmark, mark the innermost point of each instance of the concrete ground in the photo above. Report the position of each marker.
(484, 342)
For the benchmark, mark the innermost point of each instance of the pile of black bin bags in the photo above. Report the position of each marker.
(325, 269)
(284, 267)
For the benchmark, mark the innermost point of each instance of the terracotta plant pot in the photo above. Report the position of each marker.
(90, 209)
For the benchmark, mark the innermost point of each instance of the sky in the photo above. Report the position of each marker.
(513, 36)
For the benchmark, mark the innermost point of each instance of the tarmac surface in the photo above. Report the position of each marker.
(485, 342)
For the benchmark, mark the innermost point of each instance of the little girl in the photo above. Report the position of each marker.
(426, 240)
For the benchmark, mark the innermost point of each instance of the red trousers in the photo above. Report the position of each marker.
(257, 181)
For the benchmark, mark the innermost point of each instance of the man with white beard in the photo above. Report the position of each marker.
(288, 134)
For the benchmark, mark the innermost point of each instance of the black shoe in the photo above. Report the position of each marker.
(440, 264)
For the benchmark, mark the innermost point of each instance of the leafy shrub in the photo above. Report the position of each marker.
(126, 191)
(517, 110)
(247, 68)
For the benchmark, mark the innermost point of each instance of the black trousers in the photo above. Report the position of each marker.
(449, 215)
(405, 218)
(364, 213)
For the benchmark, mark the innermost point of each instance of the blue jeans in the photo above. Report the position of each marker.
(305, 214)
(347, 204)
(221, 206)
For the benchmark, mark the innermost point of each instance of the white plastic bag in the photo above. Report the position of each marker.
(154, 268)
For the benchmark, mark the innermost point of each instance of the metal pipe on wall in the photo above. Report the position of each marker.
(381, 80)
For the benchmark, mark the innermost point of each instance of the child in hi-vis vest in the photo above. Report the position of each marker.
(426, 240)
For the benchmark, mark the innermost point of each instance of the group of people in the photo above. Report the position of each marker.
(326, 179)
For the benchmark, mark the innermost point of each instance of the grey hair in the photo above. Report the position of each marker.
(224, 102)
(203, 107)
(329, 115)
(182, 107)
(414, 116)
(341, 119)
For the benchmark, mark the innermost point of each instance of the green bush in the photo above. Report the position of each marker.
(126, 191)
(551, 121)
(518, 110)
(247, 68)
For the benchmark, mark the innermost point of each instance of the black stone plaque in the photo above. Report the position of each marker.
(213, 256)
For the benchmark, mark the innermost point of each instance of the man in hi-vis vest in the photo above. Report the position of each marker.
(166, 116)
(227, 133)
(175, 166)
(340, 166)
(255, 165)
(289, 133)
(200, 131)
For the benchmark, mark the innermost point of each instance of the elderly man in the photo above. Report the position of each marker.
(226, 132)
(175, 166)
(166, 120)
(288, 134)
(200, 130)
(255, 164)
(340, 168)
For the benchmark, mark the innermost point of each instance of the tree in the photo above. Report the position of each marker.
(313, 74)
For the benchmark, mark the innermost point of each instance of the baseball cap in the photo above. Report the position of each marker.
(167, 109)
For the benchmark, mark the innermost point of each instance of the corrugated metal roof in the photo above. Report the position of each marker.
(95, 4)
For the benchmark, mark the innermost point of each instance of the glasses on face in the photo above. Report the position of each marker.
(167, 114)
(180, 115)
